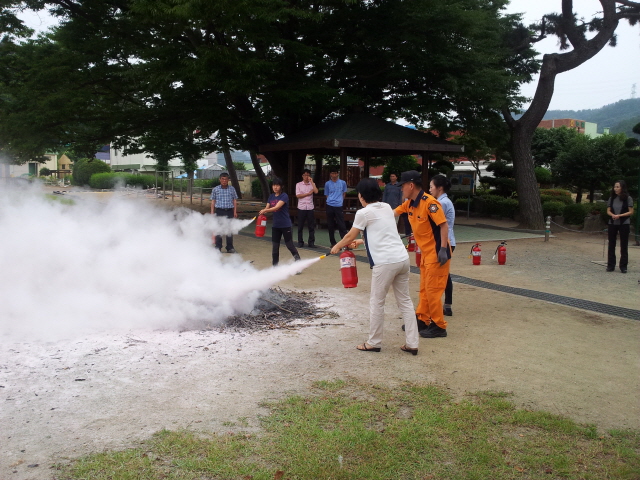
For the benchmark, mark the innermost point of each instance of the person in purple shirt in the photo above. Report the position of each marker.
(278, 204)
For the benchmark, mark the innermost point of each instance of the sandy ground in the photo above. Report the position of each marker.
(63, 399)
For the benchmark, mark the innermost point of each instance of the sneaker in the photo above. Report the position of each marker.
(300, 244)
(312, 245)
(421, 325)
(610, 269)
(231, 250)
(447, 310)
(623, 270)
(434, 331)
(296, 258)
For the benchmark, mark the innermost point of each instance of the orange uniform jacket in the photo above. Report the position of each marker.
(425, 216)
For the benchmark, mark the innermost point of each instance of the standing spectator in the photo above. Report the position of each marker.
(431, 233)
(335, 190)
(224, 203)
(620, 209)
(278, 203)
(392, 193)
(438, 188)
(389, 261)
(304, 192)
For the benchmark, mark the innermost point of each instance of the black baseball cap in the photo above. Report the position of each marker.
(410, 176)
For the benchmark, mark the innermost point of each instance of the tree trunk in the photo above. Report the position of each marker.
(579, 195)
(231, 168)
(530, 205)
(522, 130)
(261, 175)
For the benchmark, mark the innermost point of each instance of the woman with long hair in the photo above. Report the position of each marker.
(278, 204)
(438, 188)
(620, 209)
(389, 261)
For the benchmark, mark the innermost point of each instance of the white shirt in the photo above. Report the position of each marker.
(381, 237)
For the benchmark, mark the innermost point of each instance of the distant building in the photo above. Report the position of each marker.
(587, 128)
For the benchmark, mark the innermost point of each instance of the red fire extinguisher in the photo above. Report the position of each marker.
(348, 269)
(411, 245)
(501, 251)
(418, 255)
(476, 254)
(261, 225)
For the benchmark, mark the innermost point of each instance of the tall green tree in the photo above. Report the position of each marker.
(260, 69)
(572, 33)
(548, 143)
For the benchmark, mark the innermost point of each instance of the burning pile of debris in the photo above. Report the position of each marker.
(278, 309)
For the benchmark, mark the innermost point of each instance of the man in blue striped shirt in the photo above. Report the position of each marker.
(224, 203)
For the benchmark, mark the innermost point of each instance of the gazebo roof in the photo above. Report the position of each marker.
(359, 133)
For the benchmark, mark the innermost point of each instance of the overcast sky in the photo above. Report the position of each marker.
(605, 79)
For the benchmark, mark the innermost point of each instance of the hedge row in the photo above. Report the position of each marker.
(552, 205)
(113, 180)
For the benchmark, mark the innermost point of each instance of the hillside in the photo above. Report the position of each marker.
(620, 116)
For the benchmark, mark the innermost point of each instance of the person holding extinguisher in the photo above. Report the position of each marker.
(389, 261)
(278, 204)
(438, 188)
(431, 233)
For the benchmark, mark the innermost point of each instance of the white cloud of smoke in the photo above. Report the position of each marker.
(69, 270)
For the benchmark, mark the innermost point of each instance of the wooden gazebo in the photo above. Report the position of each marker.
(358, 135)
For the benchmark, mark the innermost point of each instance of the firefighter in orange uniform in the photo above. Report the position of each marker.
(430, 231)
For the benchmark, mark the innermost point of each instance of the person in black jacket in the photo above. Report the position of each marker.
(620, 209)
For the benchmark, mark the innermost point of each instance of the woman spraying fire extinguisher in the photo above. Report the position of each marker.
(389, 261)
(278, 203)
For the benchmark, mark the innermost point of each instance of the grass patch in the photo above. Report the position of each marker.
(347, 430)
(62, 200)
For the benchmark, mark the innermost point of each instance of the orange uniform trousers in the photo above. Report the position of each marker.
(433, 281)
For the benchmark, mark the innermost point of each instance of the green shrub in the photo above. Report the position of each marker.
(45, 172)
(495, 205)
(556, 198)
(574, 213)
(112, 180)
(552, 208)
(543, 175)
(461, 203)
(508, 207)
(84, 168)
(555, 192)
(503, 186)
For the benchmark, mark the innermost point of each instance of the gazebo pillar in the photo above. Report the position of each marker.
(343, 164)
(367, 161)
(425, 171)
(291, 186)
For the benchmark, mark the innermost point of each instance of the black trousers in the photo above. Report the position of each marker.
(307, 216)
(224, 212)
(276, 235)
(448, 291)
(624, 245)
(335, 218)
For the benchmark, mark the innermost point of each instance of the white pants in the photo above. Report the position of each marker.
(383, 277)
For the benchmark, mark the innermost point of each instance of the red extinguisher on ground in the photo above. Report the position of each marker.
(418, 255)
(501, 251)
(261, 225)
(476, 254)
(348, 269)
(411, 245)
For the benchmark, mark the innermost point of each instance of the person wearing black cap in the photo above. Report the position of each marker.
(431, 233)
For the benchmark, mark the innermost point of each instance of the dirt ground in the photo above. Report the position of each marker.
(63, 399)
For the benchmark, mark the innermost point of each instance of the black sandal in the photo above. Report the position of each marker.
(365, 349)
(412, 351)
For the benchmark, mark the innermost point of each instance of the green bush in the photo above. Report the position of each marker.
(112, 180)
(183, 182)
(557, 198)
(495, 205)
(555, 192)
(461, 203)
(543, 175)
(552, 208)
(45, 172)
(84, 168)
(574, 213)
(503, 186)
